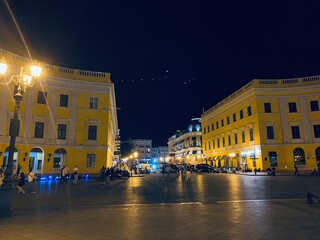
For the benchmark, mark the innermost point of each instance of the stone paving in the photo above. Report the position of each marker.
(248, 219)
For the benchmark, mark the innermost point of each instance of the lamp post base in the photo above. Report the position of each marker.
(5, 201)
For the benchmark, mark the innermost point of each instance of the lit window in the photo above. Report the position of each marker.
(93, 103)
(91, 160)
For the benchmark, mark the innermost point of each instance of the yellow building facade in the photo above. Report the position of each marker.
(266, 123)
(68, 117)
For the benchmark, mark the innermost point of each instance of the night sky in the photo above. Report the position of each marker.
(169, 59)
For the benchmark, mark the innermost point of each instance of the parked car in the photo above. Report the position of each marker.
(203, 167)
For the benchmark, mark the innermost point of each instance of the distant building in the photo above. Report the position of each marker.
(160, 154)
(142, 147)
(67, 118)
(186, 145)
(266, 123)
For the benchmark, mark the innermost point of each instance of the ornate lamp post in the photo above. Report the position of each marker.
(21, 82)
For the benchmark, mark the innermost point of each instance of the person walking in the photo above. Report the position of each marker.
(296, 173)
(75, 174)
(103, 175)
(1, 176)
(31, 181)
(21, 182)
(18, 171)
(65, 175)
(108, 174)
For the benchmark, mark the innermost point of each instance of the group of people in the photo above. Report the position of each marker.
(65, 174)
(21, 177)
(105, 174)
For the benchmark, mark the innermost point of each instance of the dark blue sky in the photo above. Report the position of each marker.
(169, 59)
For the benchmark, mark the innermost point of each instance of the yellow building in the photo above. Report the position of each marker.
(266, 123)
(68, 117)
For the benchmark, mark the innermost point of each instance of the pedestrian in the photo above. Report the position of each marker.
(31, 181)
(296, 173)
(108, 173)
(188, 171)
(18, 171)
(75, 174)
(65, 175)
(1, 176)
(21, 182)
(61, 177)
(103, 175)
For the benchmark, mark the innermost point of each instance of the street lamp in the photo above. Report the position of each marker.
(21, 82)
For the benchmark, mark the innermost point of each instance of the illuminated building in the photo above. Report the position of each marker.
(266, 123)
(68, 117)
(185, 146)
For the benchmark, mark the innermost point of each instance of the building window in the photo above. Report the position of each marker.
(205, 146)
(314, 106)
(295, 132)
(251, 134)
(93, 103)
(213, 144)
(91, 160)
(208, 145)
(229, 140)
(236, 138)
(62, 131)
(316, 131)
(222, 123)
(223, 142)
(267, 107)
(92, 133)
(270, 132)
(38, 130)
(218, 142)
(292, 107)
(241, 114)
(228, 120)
(249, 110)
(273, 161)
(63, 100)
(204, 130)
(234, 117)
(208, 129)
(42, 97)
(217, 125)
(212, 126)
(243, 136)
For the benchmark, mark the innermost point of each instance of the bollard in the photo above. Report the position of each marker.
(309, 198)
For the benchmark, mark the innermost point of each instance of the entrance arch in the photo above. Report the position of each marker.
(59, 158)
(36, 157)
(299, 156)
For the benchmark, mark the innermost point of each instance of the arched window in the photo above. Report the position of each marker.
(299, 157)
